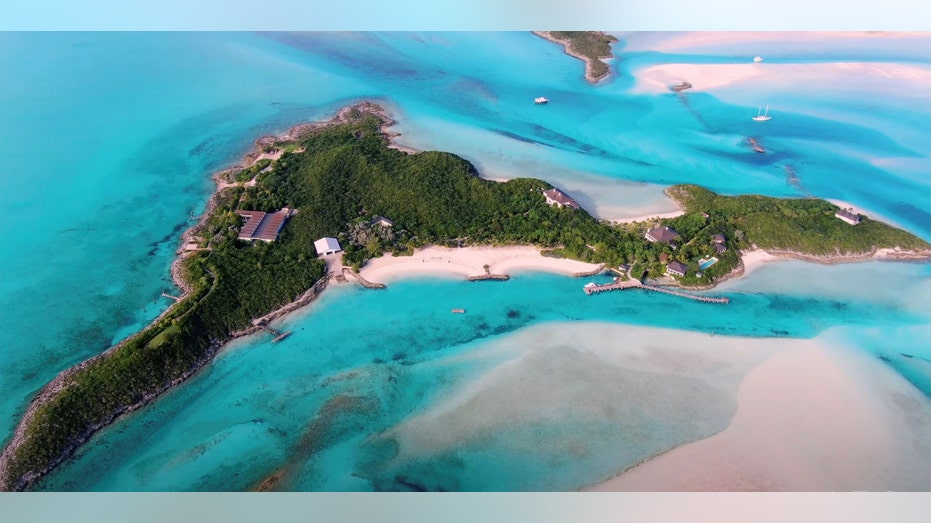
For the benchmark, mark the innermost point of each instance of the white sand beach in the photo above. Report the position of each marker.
(648, 217)
(468, 261)
(755, 259)
(814, 417)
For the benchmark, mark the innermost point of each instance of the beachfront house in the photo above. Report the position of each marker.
(848, 216)
(556, 197)
(662, 234)
(262, 226)
(326, 246)
(676, 269)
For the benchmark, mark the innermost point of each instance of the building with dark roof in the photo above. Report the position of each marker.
(848, 216)
(720, 248)
(381, 220)
(555, 196)
(262, 226)
(662, 234)
(676, 268)
(718, 238)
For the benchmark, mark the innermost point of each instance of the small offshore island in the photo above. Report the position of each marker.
(344, 179)
(589, 46)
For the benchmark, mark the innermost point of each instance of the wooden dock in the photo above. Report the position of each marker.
(615, 286)
(278, 334)
(365, 283)
(636, 284)
(674, 292)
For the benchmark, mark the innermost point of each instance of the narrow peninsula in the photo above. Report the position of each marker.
(252, 256)
(589, 46)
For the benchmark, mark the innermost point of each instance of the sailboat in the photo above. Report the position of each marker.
(762, 117)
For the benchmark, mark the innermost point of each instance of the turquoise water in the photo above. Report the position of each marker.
(108, 140)
(386, 356)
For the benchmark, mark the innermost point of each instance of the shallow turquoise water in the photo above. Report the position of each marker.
(386, 356)
(108, 140)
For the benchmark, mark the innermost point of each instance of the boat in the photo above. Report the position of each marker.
(762, 117)
(757, 58)
(540, 100)
(458, 311)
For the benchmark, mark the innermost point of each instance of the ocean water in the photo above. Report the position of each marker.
(108, 140)
(324, 408)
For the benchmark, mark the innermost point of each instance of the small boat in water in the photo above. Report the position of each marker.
(458, 311)
(762, 117)
(540, 100)
(757, 58)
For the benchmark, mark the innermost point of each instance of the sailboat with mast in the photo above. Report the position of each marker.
(762, 117)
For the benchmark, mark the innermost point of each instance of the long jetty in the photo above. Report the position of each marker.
(636, 284)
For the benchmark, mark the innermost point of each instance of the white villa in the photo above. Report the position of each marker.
(327, 245)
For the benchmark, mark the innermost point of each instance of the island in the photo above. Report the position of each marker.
(589, 46)
(252, 256)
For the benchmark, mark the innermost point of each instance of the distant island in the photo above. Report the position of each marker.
(589, 46)
(254, 255)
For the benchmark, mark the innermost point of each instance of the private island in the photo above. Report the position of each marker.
(320, 203)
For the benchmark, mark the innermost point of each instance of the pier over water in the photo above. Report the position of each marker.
(616, 285)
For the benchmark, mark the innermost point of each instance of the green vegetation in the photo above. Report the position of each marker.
(345, 176)
(249, 173)
(805, 226)
(593, 45)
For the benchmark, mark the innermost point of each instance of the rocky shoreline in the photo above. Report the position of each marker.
(62, 380)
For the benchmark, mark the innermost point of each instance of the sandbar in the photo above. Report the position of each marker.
(813, 417)
(836, 75)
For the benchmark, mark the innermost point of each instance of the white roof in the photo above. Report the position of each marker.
(326, 244)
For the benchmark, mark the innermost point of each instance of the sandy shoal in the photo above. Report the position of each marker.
(468, 261)
(677, 42)
(813, 417)
(658, 78)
